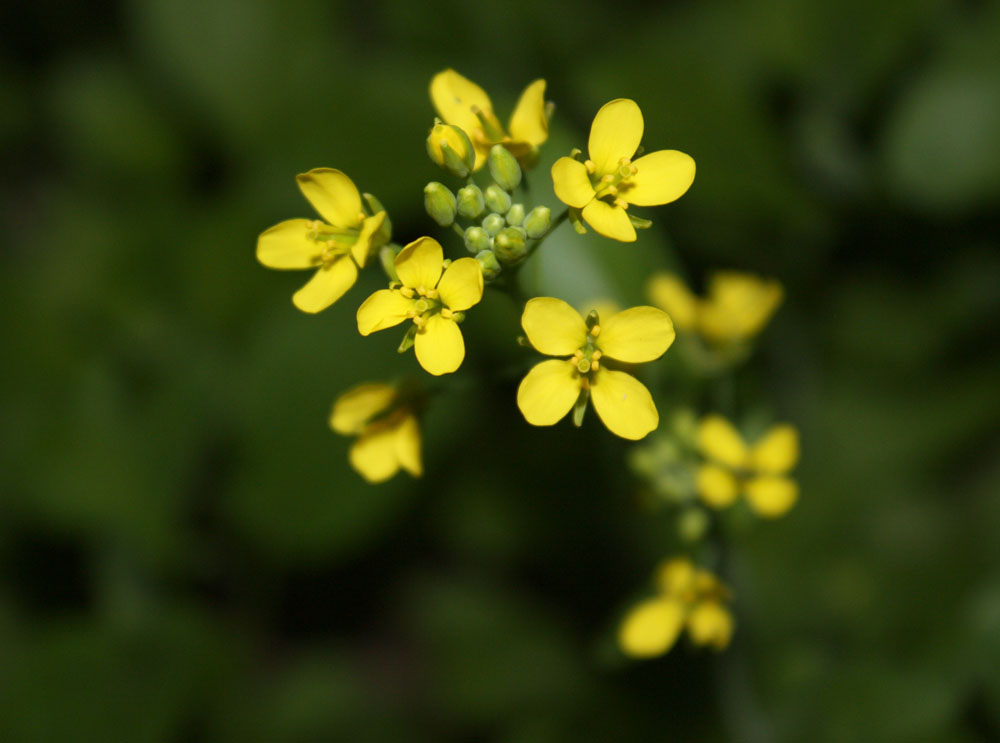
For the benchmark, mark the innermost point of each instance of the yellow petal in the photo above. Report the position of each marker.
(651, 628)
(623, 404)
(353, 409)
(661, 177)
(610, 221)
(571, 182)
(636, 335)
(771, 497)
(709, 623)
(719, 440)
(615, 133)
(777, 451)
(671, 295)
(528, 123)
(333, 195)
(548, 392)
(553, 327)
(454, 98)
(373, 455)
(439, 346)
(418, 265)
(461, 286)
(287, 245)
(327, 285)
(675, 576)
(383, 309)
(716, 486)
(362, 248)
(408, 445)
(738, 306)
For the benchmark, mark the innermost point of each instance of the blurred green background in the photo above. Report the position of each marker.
(184, 553)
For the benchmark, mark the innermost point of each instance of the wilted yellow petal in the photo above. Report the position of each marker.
(651, 628)
(615, 133)
(439, 345)
(362, 247)
(333, 195)
(610, 221)
(709, 623)
(553, 327)
(771, 497)
(548, 392)
(461, 286)
(287, 246)
(716, 486)
(328, 285)
(719, 440)
(623, 404)
(353, 409)
(373, 455)
(636, 335)
(454, 98)
(675, 576)
(571, 182)
(419, 263)
(661, 177)
(408, 445)
(671, 295)
(528, 123)
(383, 309)
(777, 452)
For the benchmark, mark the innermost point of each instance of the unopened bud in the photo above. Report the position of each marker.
(515, 215)
(493, 223)
(476, 240)
(538, 221)
(449, 146)
(439, 203)
(504, 168)
(384, 233)
(509, 245)
(497, 199)
(489, 264)
(470, 201)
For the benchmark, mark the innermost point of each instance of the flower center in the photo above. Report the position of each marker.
(336, 241)
(608, 185)
(587, 358)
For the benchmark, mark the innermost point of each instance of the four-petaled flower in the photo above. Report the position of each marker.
(387, 430)
(553, 387)
(605, 185)
(464, 104)
(760, 471)
(687, 597)
(338, 245)
(433, 297)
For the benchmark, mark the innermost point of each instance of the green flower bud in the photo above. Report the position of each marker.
(384, 233)
(439, 203)
(504, 168)
(470, 201)
(538, 221)
(450, 147)
(489, 264)
(493, 223)
(497, 199)
(476, 240)
(509, 245)
(515, 215)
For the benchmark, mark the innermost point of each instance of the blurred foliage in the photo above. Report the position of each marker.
(184, 553)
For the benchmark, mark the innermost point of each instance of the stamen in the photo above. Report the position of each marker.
(577, 356)
(595, 365)
(432, 293)
(446, 313)
(597, 353)
(590, 166)
(406, 292)
(594, 332)
(621, 203)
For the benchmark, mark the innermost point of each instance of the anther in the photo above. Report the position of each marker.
(621, 203)
(597, 352)
(595, 365)
(594, 332)
(590, 166)
(432, 293)
(446, 313)
(577, 356)
(406, 292)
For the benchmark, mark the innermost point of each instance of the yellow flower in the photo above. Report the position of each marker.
(553, 387)
(387, 430)
(461, 102)
(433, 297)
(687, 597)
(758, 471)
(605, 185)
(338, 245)
(736, 308)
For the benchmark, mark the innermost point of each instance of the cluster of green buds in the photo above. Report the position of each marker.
(496, 229)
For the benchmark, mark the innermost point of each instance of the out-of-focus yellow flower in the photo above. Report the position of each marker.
(388, 435)
(760, 471)
(736, 308)
(461, 102)
(605, 185)
(552, 388)
(687, 597)
(433, 297)
(338, 245)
